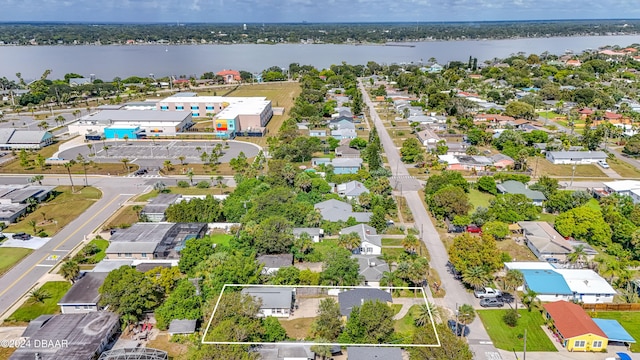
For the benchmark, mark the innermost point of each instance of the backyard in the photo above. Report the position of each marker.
(511, 338)
(31, 310)
(479, 198)
(630, 321)
(55, 214)
(11, 256)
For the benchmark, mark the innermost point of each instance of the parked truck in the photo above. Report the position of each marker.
(487, 293)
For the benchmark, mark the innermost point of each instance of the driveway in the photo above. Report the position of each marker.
(33, 243)
(307, 307)
(479, 340)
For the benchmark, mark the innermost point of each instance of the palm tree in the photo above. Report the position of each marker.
(106, 149)
(410, 243)
(303, 243)
(324, 351)
(577, 256)
(38, 179)
(476, 277)
(190, 176)
(181, 158)
(530, 299)
(38, 295)
(68, 166)
(313, 219)
(43, 125)
(512, 280)
(126, 139)
(167, 165)
(426, 312)
(90, 146)
(70, 270)
(34, 226)
(219, 182)
(59, 120)
(466, 314)
(81, 160)
(349, 241)
(418, 272)
(125, 162)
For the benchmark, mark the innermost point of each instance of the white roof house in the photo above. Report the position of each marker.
(622, 187)
(590, 286)
(575, 157)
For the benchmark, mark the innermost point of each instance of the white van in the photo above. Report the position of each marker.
(603, 164)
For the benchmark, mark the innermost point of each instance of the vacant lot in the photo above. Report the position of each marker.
(544, 167)
(511, 338)
(55, 214)
(623, 169)
(298, 328)
(630, 321)
(31, 310)
(11, 256)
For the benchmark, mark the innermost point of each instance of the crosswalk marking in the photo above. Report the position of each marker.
(143, 176)
(403, 177)
(492, 355)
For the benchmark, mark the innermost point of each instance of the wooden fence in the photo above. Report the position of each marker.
(611, 307)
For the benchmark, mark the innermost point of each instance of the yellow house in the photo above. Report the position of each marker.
(573, 328)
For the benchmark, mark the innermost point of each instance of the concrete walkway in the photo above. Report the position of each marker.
(406, 303)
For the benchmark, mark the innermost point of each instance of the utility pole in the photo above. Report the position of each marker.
(573, 173)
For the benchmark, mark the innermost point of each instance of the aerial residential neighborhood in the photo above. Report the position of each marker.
(467, 210)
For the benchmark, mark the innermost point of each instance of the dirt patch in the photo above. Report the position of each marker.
(298, 328)
(162, 342)
(313, 266)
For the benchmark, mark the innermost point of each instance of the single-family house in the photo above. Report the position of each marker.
(356, 297)
(273, 263)
(352, 189)
(342, 122)
(622, 187)
(575, 330)
(83, 296)
(502, 161)
(285, 351)
(548, 245)
(182, 327)
(336, 210)
(346, 165)
(465, 162)
(575, 157)
(371, 269)
(346, 151)
(274, 301)
(340, 134)
(230, 76)
(370, 241)
(516, 187)
(73, 82)
(428, 137)
(156, 207)
(374, 353)
(68, 336)
(317, 132)
(435, 68)
(587, 286)
(316, 234)
(453, 147)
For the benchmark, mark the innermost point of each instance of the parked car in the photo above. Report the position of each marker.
(458, 328)
(487, 293)
(603, 164)
(140, 172)
(474, 229)
(21, 236)
(491, 303)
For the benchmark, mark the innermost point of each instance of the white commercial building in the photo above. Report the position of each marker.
(153, 123)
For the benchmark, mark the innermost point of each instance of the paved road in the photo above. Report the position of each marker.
(23, 276)
(479, 340)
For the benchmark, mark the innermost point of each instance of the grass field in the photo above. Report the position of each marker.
(550, 218)
(11, 256)
(200, 169)
(59, 211)
(298, 328)
(125, 216)
(395, 252)
(623, 169)
(221, 239)
(102, 244)
(407, 323)
(506, 338)
(544, 167)
(183, 191)
(630, 321)
(479, 198)
(30, 310)
(594, 204)
(391, 242)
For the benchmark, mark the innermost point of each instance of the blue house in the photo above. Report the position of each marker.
(318, 132)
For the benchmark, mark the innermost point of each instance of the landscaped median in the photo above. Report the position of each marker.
(512, 338)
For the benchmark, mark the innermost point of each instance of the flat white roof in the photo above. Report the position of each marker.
(137, 115)
(210, 99)
(529, 265)
(252, 107)
(623, 185)
(449, 159)
(585, 281)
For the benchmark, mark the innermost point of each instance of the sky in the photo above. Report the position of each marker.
(274, 11)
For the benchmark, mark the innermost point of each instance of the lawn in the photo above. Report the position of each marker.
(593, 204)
(544, 167)
(391, 242)
(407, 323)
(183, 191)
(123, 218)
(630, 321)
(393, 252)
(221, 239)
(11, 256)
(320, 249)
(550, 218)
(102, 244)
(55, 214)
(507, 338)
(479, 198)
(30, 310)
(298, 328)
(517, 251)
(623, 169)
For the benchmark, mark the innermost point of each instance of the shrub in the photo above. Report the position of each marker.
(43, 234)
(183, 184)
(511, 318)
(203, 184)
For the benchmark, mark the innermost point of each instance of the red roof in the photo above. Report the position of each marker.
(571, 320)
(612, 115)
(585, 111)
(235, 73)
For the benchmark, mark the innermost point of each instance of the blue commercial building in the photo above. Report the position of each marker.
(131, 132)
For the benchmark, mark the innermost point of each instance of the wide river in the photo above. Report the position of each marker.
(109, 61)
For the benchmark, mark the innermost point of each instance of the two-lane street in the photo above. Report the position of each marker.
(456, 294)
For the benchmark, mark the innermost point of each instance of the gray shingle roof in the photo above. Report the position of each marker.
(356, 297)
(366, 233)
(182, 326)
(352, 188)
(159, 204)
(276, 261)
(311, 231)
(516, 187)
(371, 267)
(146, 232)
(271, 297)
(85, 290)
(373, 353)
(335, 210)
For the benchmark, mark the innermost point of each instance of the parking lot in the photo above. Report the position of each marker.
(152, 154)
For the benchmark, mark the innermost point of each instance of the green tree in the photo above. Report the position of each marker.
(577, 256)
(497, 229)
(39, 295)
(410, 149)
(378, 219)
(410, 244)
(584, 223)
(195, 251)
(273, 235)
(470, 251)
(273, 331)
(632, 146)
(370, 323)
(324, 351)
(452, 347)
(446, 178)
(520, 109)
(289, 275)
(68, 165)
(449, 201)
(124, 299)
(70, 270)
(183, 303)
(340, 269)
(487, 184)
(530, 299)
(466, 314)
(476, 277)
(511, 208)
(349, 241)
(328, 324)
(548, 186)
(125, 163)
